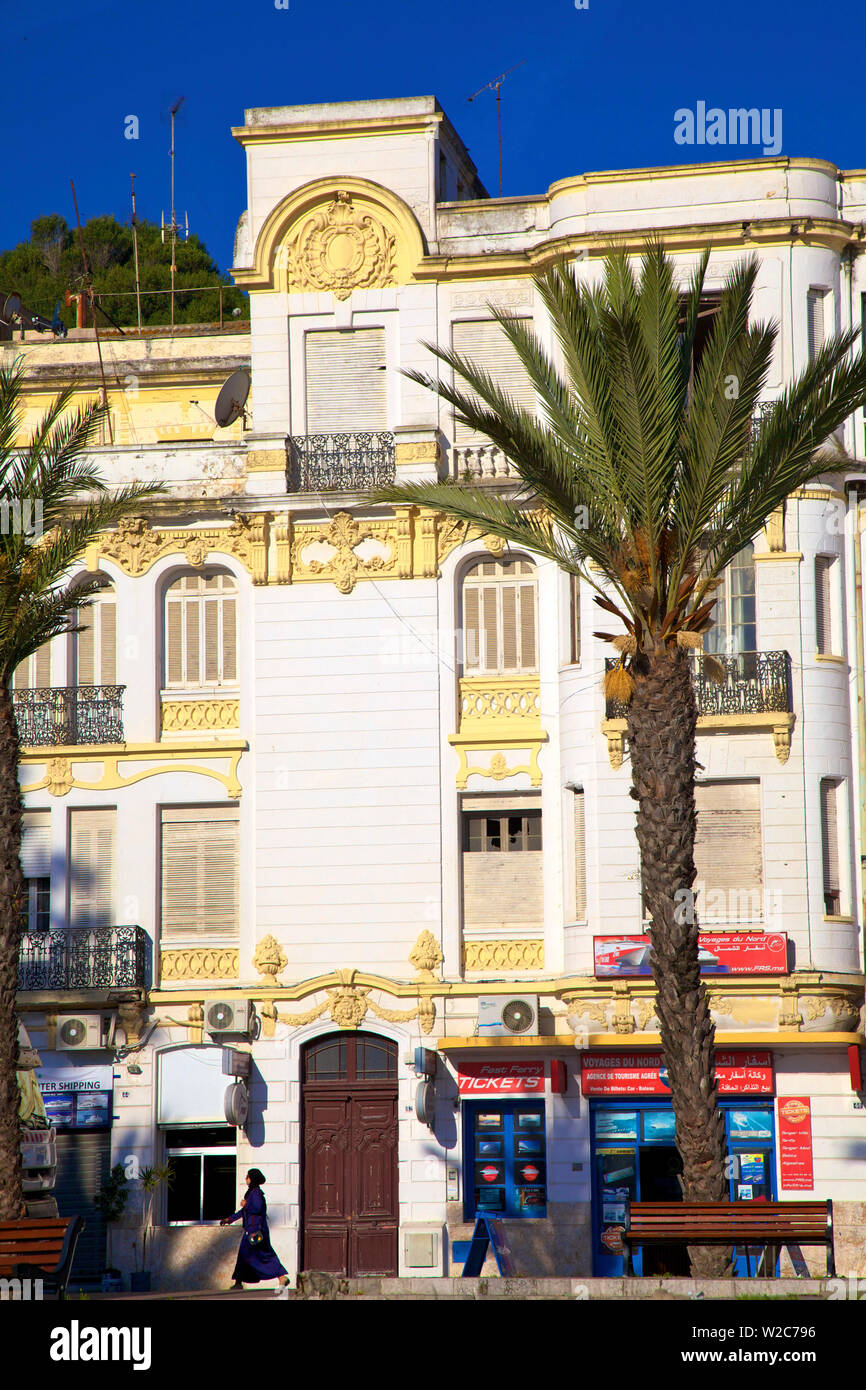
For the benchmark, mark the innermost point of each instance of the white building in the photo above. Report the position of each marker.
(337, 721)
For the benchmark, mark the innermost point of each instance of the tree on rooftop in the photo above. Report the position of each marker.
(645, 464)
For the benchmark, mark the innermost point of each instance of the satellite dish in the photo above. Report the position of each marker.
(10, 306)
(232, 399)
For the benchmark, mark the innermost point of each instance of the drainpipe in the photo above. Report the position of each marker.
(856, 495)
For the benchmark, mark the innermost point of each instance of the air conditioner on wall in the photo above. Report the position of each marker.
(228, 1016)
(501, 1015)
(80, 1033)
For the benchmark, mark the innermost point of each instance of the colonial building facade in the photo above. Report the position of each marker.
(327, 828)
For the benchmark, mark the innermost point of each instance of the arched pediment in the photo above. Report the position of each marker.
(337, 235)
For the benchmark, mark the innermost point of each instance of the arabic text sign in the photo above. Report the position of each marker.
(500, 1078)
(722, 953)
(644, 1074)
(795, 1143)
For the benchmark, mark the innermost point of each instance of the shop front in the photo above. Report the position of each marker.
(634, 1155)
(79, 1102)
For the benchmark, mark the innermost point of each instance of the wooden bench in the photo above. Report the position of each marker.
(40, 1249)
(767, 1224)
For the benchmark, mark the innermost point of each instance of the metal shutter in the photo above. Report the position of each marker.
(485, 344)
(36, 844)
(92, 836)
(200, 873)
(823, 613)
(728, 851)
(83, 1164)
(830, 836)
(346, 379)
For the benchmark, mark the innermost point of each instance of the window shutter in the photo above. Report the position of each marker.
(815, 322)
(346, 381)
(830, 836)
(191, 646)
(174, 643)
(43, 666)
(574, 590)
(823, 615)
(108, 641)
(211, 640)
(230, 641)
(528, 657)
(509, 627)
(471, 629)
(36, 844)
(579, 858)
(200, 872)
(91, 868)
(489, 654)
(728, 852)
(484, 343)
(85, 645)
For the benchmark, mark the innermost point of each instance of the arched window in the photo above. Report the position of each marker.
(734, 615)
(499, 618)
(201, 631)
(94, 648)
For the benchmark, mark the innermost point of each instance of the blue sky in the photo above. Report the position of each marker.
(598, 90)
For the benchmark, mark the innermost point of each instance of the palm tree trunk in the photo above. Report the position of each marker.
(11, 908)
(662, 724)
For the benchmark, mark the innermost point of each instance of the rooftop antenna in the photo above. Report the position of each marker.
(135, 246)
(173, 227)
(488, 86)
(87, 289)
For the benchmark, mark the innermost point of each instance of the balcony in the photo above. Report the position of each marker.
(756, 695)
(84, 958)
(353, 462)
(69, 715)
(481, 463)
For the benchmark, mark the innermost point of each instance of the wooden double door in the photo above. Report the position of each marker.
(350, 1218)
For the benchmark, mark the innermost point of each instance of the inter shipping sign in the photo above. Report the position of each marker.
(500, 1078)
(644, 1074)
(719, 953)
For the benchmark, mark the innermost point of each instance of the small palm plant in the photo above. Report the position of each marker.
(52, 474)
(645, 475)
(152, 1179)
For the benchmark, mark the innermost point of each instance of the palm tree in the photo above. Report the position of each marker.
(37, 602)
(647, 464)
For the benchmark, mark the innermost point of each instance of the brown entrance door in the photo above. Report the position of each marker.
(350, 1155)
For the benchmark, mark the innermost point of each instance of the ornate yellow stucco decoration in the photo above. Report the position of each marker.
(498, 768)
(270, 959)
(60, 776)
(191, 716)
(130, 1017)
(340, 248)
(200, 963)
(496, 546)
(348, 1004)
(417, 451)
(503, 955)
(136, 545)
(426, 955)
(346, 538)
(195, 1014)
(269, 1017)
(498, 706)
(775, 530)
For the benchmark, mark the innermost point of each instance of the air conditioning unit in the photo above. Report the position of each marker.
(79, 1034)
(502, 1015)
(228, 1016)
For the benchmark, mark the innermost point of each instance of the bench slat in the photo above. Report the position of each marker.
(768, 1224)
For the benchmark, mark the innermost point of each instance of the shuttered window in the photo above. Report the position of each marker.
(502, 865)
(92, 836)
(83, 1164)
(830, 846)
(200, 872)
(35, 672)
(201, 631)
(815, 321)
(499, 618)
(94, 649)
(728, 855)
(485, 344)
(574, 617)
(346, 381)
(579, 857)
(824, 571)
(36, 867)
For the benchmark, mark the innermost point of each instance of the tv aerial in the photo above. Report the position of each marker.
(232, 399)
(496, 86)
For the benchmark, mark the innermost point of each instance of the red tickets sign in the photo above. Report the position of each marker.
(644, 1074)
(500, 1078)
(795, 1143)
(719, 953)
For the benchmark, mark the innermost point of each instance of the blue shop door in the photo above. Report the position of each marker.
(751, 1168)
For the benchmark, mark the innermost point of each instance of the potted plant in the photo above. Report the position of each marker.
(151, 1179)
(111, 1201)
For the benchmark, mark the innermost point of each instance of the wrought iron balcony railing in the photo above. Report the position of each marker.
(71, 714)
(757, 683)
(340, 462)
(84, 958)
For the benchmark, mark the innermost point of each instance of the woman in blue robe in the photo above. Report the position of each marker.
(256, 1260)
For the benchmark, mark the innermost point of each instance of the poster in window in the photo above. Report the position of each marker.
(92, 1109)
(490, 1198)
(489, 1120)
(528, 1119)
(488, 1148)
(616, 1124)
(527, 1148)
(60, 1109)
(531, 1198)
